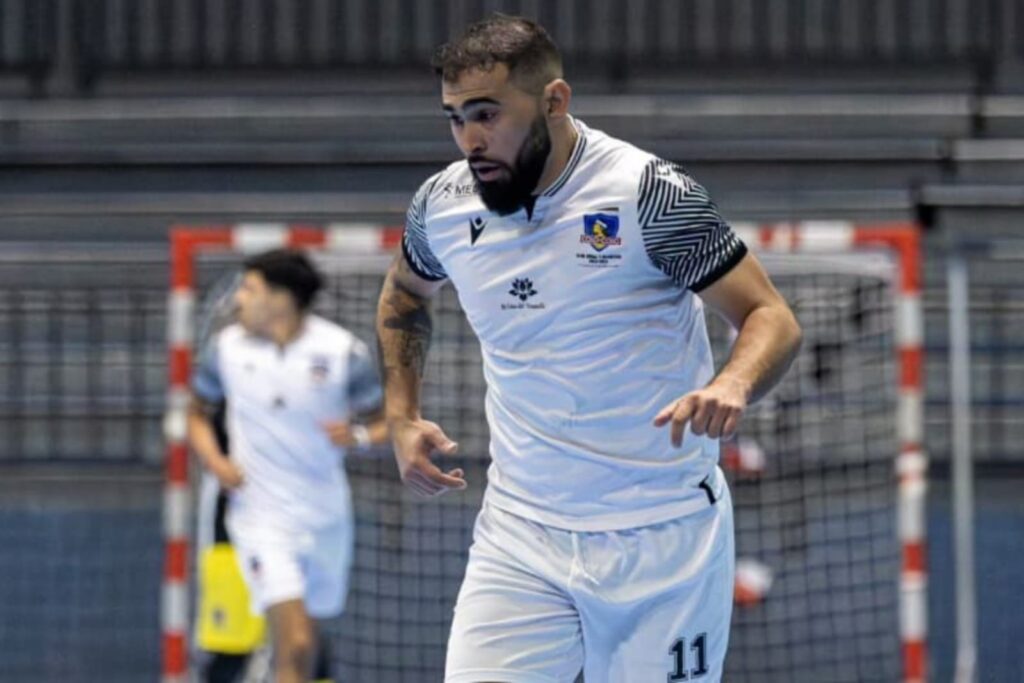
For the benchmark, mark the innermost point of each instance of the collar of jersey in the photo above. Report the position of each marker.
(574, 161)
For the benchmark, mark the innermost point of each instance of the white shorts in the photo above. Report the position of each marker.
(281, 565)
(540, 604)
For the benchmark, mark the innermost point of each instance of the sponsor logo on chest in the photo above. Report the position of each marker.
(522, 292)
(459, 190)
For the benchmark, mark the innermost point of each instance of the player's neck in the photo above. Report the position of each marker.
(563, 140)
(286, 330)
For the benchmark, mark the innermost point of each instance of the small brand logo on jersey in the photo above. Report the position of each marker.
(458, 191)
(522, 290)
(319, 368)
(254, 565)
(476, 228)
(601, 230)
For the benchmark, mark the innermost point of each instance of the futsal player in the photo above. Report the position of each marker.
(228, 632)
(300, 392)
(605, 541)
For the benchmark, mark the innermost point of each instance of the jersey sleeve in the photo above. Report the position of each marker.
(682, 230)
(206, 380)
(414, 241)
(364, 391)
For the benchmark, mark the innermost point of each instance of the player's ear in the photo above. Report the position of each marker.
(557, 95)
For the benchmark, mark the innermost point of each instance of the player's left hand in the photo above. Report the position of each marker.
(340, 433)
(714, 410)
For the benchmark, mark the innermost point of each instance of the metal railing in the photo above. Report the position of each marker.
(282, 34)
(106, 36)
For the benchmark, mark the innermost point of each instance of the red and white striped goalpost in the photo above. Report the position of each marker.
(186, 242)
(902, 240)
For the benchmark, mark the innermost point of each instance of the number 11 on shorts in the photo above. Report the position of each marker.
(679, 671)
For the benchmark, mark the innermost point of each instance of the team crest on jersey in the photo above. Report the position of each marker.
(601, 230)
(320, 368)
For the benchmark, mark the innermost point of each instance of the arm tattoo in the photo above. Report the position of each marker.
(409, 318)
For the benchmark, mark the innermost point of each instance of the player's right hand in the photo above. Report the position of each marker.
(415, 442)
(228, 474)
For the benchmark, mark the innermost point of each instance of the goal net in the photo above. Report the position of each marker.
(828, 587)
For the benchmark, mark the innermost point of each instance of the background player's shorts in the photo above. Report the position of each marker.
(281, 565)
(539, 604)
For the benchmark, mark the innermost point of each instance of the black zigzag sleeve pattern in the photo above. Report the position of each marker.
(414, 241)
(682, 230)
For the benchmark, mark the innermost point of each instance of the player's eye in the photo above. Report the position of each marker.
(486, 115)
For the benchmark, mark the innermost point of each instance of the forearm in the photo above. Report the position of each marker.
(404, 327)
(765, 347)
(203, 440)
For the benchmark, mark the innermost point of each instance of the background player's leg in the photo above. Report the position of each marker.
(327, 570)
(322, 671)
(294, 636)
(224, 668)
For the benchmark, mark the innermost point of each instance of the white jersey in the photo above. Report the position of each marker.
(278, 401)
(588, 326)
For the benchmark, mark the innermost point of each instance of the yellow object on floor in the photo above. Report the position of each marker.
(226, 621)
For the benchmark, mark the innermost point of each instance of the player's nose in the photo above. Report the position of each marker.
(473, 141)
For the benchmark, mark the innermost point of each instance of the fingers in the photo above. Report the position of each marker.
(717, 421)
(705, 414)
(441, 443)
(685, 409)
(731, 424)
(418, 485)
(427, 479)
(665, 414)
(418, 472)
(723, 421)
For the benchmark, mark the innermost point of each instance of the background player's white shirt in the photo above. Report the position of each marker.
(278, 401)
(588, 326)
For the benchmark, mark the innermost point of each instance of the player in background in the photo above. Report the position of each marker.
(300, 392)
(229, 633)
(605, 541)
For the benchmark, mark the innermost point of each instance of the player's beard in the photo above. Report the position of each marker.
(508, 195)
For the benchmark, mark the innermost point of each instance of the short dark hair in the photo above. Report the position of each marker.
(288, 269)
(520, 44)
